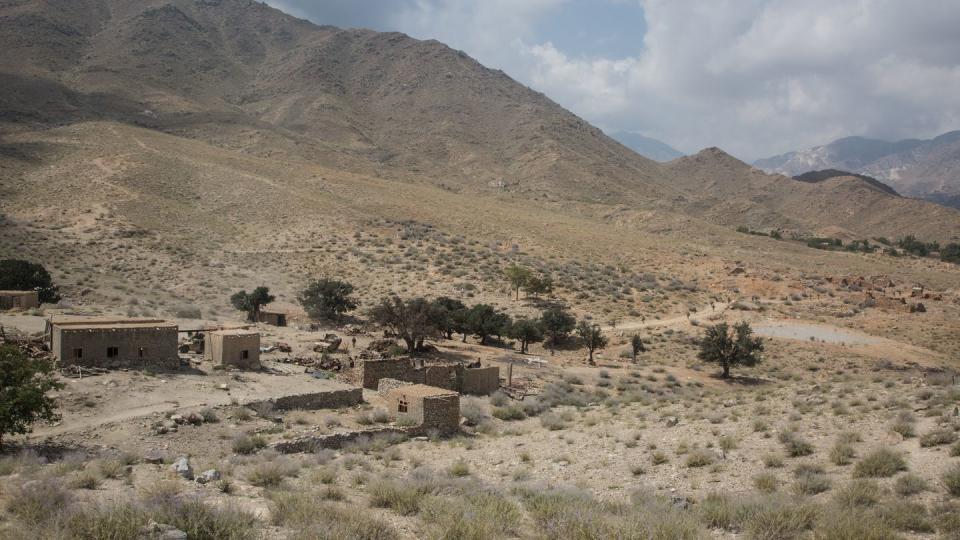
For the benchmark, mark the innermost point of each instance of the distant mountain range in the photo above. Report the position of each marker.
(926, 169)
(647, 147)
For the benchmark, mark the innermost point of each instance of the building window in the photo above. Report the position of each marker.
(141, 351)
(244, 354)
(113, 352)
(78, 353)
(402, 405)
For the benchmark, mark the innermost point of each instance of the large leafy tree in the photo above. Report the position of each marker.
(445, 315)
(24, 383)
(413, 320)
(526, 331)
(557, 324)
(20, 275)
(252, 302)
(327, 299)
(484, 321)
(737, 348)
(592, 337)
(537, 285)
(517, 276)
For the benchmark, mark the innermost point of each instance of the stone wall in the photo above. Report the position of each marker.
(237, 349)
(371, 371)
(441, 413)
(333, 441)
(331, 399)
(480, 381)
(386, 385)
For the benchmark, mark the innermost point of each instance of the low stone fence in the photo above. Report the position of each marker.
(336, 440)
(331, 399)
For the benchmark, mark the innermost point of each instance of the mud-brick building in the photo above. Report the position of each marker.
(113, 342)
(428, 407)
(239, 348)
(19, 300)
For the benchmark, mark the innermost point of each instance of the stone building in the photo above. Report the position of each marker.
(456, 377)
(281, 314)
(19, 299)
(427, 407)
(113, 342)
(238, 348)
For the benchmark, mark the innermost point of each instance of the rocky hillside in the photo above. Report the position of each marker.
(928, 169)
(647, 146)
(251, 81)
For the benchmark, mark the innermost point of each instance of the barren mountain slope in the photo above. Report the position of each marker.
(731, 192)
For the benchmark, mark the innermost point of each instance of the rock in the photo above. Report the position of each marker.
(161, 429)
(208, 476)
(672, 421)
(182, 468)
(178, 418)
(223, 387)
(160, 531)
(194, 418)
(679, 502)
(153, 456)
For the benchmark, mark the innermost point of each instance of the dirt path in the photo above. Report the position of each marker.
(674, 321)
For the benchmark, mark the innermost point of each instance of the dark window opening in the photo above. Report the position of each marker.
(244, 354)
(141, 352)
(113, 352)
(78, 353)
(402, 405)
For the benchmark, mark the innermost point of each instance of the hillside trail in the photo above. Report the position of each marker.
(635, 324)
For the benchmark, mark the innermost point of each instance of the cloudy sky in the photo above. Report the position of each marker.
(755, 77)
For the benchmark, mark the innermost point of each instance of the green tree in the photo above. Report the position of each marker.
(485, 321)
(539, 285)
(445, 310)
(327, 299)
(413, 320)
(950, 253)
(518, 276)
(738, 348)
(24, 383)
(20, 275)
(557, 325)
(592, 337)
(636, 345)
(526, 331)
(252, 302)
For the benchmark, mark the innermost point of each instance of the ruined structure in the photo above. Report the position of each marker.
(238, 348)
(113, 342)
(280, 313)
(457, 377)
(429, 408)
(19, 299)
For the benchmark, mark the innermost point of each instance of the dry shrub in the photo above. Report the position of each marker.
(880, 463)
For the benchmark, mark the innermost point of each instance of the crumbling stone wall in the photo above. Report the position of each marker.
(331, 399)
(369, 372)
(480, 381)
(386, 385)
(135, 347)
(441, 413)
(334, 441)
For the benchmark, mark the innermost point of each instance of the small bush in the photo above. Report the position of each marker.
(38, 502)
(552, 422)
(459, 468)
(402, 498)
(773, 461)
(937, 438)
(246, 444)
(473, 410)
(906, 516)
(859, 493)
(951, 481)
(794, 444)
(880, 463)
(87, 479)
(810, 480)
(271, 473)
(511, 412)
(842, 453)
(766, 482)
(909, 484)
(700, 458)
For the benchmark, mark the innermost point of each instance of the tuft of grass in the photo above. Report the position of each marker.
(938, 437)
(402, 498)
(909, 484)
(700, 458)
(794, 444)
(880, 463)
(271, 473)
(247, 444)
(474, 516)
(766, 482)
(38, 502)
(459, 469)
(857, 494)
(951, 480)
(842, 453)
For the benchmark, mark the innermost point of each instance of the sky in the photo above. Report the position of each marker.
(754, 77)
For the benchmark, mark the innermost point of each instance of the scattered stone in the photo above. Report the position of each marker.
(194, 419)
(160, 531)
(178, 419)
(208, 476)
(679, 502)
(182, 468)
(672, 421)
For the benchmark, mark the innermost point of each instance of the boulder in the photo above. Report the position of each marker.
(160, 531)
(182, 468)
(211, 475)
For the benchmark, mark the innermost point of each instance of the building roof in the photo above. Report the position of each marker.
(422, 390)
(17, 293)
(235, 332)
(283, 308)
(106, 323)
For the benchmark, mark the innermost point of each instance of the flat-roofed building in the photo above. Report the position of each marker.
(19, 299)
(428, 407)
(239, 348)
(113, 342)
